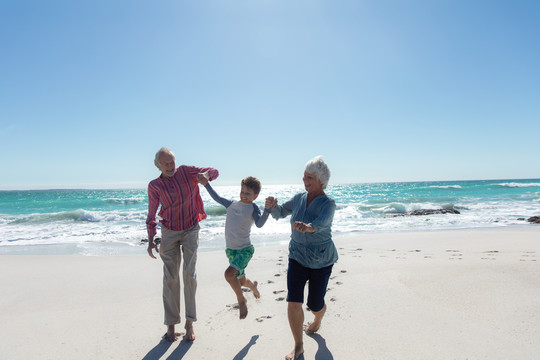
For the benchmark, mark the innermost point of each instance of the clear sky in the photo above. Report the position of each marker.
(385, 90)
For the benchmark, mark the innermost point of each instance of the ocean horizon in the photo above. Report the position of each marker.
(112, 221)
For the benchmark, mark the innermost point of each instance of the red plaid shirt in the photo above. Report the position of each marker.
(180, 200)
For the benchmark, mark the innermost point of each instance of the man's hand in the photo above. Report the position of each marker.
(203, 178)
(152, 245)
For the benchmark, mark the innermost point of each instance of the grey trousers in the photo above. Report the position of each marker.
(174, 245)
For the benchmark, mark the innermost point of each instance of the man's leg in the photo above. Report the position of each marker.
(170, 255)
(190, 244)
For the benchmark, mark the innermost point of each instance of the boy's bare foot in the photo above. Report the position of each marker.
(311, 328)
(295, 354)
(242, 305)
(255, 291)
(190, 334)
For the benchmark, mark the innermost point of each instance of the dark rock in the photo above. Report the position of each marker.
(521, 219)
(428, 212)
(534, 220)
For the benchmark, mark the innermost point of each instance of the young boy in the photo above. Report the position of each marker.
(240, 216)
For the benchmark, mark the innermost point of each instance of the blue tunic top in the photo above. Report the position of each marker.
(312, 250)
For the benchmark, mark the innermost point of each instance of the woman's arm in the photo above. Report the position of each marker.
(281, 211)
(326, 216)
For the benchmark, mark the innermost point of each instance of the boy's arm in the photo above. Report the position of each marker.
(216, 197)
(260, 220)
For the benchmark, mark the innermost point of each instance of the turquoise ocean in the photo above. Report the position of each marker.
(101, 222)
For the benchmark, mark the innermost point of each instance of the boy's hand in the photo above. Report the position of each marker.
(203, 178)
(270, 203)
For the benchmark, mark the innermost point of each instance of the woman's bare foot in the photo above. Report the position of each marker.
(295, 354)
(311, 328)
(190, 334)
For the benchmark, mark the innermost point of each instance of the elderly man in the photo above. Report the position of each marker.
(177, 191)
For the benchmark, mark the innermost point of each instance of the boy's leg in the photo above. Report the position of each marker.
(252, 285)
(230, 276)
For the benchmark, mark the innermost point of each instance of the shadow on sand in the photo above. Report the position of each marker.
(160, 349)
(243, 353)
(323, 353)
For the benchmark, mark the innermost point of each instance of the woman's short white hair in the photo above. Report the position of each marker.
(318, 167)
(163, 150)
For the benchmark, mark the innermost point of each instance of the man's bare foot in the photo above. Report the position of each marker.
(255, 291)
(296, 353)
(311, 328)
(242, 305)
(190, 334)
(170, 335)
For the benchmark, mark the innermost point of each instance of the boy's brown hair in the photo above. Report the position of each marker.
(252, 183)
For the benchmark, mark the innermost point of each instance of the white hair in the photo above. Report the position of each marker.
(318, 167)
(163, 150)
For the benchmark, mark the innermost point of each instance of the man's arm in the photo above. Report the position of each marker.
(151, 223)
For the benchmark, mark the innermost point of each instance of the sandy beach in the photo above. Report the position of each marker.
(462, 294)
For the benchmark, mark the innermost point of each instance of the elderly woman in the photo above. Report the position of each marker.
(177, 191)
(312, 252)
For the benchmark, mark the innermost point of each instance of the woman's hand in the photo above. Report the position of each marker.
(303, 227)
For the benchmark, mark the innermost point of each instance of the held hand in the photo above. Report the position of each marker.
(203, 178)
(303, 227)
(270, 203)
(152, 245)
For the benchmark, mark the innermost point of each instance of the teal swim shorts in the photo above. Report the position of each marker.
(239, 259)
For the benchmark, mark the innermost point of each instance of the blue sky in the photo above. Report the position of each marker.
(384, 90)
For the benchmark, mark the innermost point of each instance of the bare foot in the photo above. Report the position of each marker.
(170, 335)
(255, 291)
(311, 328)
(242, 305)
(296, 353)
(190, 334)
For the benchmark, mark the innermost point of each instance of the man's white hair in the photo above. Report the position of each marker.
(318, 167)
(163, 150)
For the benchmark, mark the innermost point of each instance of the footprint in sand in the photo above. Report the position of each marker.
(528, 256)
(281, 298)
(490, 253)
(279, 291)
(262, 318)
(455, 254)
